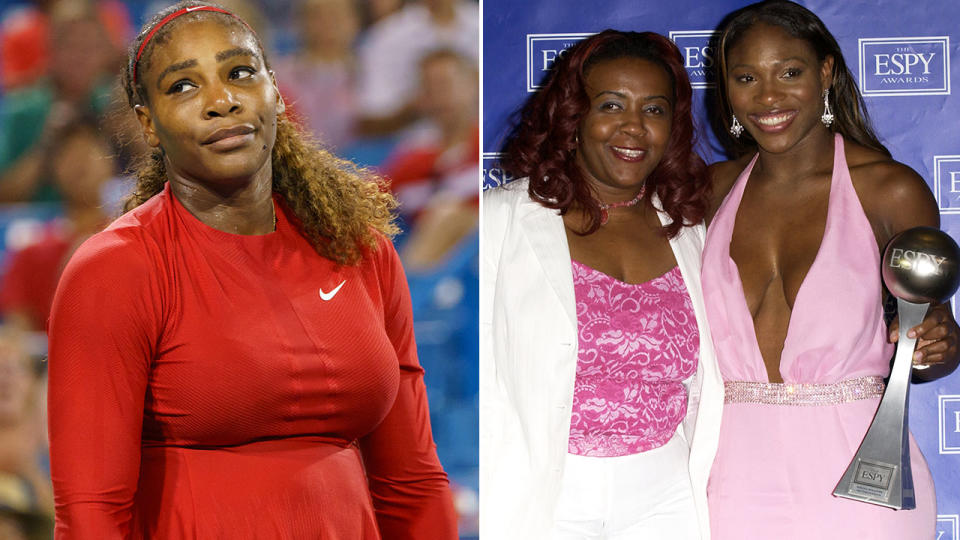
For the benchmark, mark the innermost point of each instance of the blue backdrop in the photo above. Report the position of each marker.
(900, 51)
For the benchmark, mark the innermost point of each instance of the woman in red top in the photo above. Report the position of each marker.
(234, 357)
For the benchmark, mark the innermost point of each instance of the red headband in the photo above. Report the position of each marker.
(171, 17)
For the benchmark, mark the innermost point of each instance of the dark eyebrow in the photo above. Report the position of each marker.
(174, 67)
(221, 56)
(611, 92)
(624, 96)
(238, 51)
(780, 63)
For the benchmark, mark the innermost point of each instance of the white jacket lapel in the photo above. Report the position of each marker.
(544, 230)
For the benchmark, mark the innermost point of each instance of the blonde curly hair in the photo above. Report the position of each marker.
(340, 208)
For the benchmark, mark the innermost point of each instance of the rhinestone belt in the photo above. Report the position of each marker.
(803, 394)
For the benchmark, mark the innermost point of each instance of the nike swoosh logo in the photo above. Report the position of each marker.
(328, 295)
(194, 8)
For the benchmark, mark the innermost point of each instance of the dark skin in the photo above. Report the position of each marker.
(622, 138)
(775, 84)
(207, 79)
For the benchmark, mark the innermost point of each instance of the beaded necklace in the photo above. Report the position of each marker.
(604, 207)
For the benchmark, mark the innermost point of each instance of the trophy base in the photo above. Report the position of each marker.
(877, 483)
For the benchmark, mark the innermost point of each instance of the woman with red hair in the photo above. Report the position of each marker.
(597, 363)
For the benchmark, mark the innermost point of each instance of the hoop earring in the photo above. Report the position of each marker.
(735, 127)
(827, 116)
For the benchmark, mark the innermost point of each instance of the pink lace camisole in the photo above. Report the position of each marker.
(637, 344)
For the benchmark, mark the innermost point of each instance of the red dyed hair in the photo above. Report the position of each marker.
(543, 143)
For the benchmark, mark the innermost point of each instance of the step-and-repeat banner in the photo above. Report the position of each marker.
(900, 52)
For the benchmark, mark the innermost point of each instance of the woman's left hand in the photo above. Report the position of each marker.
(936, 354)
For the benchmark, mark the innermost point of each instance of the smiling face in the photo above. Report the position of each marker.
(212, 105)
(625, 133)
(775, 85)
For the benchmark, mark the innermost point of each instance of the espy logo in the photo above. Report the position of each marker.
(543, 50)
(905, 66)
(698, 56)
(949, 416)
(493, 174)
(946, 184)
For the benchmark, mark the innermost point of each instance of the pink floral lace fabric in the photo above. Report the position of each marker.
(637, 344)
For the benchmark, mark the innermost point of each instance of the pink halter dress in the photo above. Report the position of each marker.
(784, 447)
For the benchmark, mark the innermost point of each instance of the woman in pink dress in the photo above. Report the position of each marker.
(791, 276)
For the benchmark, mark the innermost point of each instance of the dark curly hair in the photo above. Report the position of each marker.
(543, 146)
(342, 209)
(850, 112)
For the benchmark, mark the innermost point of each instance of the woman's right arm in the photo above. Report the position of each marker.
(492, 406)
(103, 332)
(489, 263)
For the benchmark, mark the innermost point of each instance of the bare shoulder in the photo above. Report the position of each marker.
(893, 195)
(723, 174)
(870, 166)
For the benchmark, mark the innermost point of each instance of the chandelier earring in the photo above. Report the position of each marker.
(827, 116)
(736, 128)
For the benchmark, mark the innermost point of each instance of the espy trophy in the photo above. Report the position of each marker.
(919, 268)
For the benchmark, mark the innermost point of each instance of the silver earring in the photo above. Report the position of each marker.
(827, 116)
(735, 127)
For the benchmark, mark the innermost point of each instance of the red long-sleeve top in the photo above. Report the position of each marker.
(211, 385)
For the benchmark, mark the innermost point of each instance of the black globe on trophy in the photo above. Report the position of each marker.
(919, 267)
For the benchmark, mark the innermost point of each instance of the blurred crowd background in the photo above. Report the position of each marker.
(390, 84)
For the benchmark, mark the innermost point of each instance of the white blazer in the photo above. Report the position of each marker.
(528, 363)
